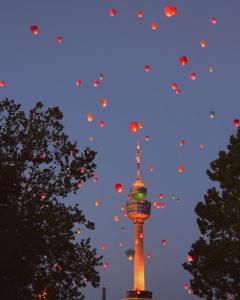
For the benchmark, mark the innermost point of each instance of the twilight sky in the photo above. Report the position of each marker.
(38, 68)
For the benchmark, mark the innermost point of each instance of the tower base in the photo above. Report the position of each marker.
(142, 295)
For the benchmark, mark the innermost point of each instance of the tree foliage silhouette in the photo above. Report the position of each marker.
(40, 256)
(216, 255)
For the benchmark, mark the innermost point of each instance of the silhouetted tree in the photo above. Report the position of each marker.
(216, 255)
(40, 257)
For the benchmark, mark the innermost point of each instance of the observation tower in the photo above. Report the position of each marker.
(138, 210)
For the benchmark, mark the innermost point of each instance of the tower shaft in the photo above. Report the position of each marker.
(139, 280)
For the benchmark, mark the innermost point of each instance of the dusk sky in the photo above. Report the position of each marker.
(38, 68)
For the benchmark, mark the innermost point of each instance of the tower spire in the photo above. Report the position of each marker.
(138, 177)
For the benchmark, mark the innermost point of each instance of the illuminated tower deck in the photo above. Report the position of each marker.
(138, 210)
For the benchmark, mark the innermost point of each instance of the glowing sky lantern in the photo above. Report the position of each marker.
(213, 20)
(140, 125)
(2, 83)
(140, 13)
(164, 242)
(185, 286)
(147, 138)
(149, 255)
(130, 254)
(202, 146)
(133, 126)
(178, 91)
(103, 102)
(112, 12)
(122, 207)
(116, 218)
(174, 86)
(170, 11)
(90, 117)
(210, 69)
(193, 76)
(118, 188)
(154, 26)
(78, 82)
(183, 60)
(203, 43)
(96, 83)
(160, 196)
(189, 258)
(182, 143)
(236, 122)
(97, 202)
(120, 244)
(147, 68)
(212, 115)
(91, 138)
(101, 123)
(104, 246)
(180, 168)
(106, 264)
(101, 76)
(151, 168)
(59, 39)
(34, 29)
(78, 230)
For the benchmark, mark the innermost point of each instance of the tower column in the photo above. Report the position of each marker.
(139, 280)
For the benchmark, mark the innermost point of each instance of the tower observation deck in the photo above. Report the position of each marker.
(138, 210)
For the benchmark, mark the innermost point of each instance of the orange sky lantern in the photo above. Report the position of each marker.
(189, 258)
(34, 29)
(90, 117)
(140, 125)
(97, 202)
(170, 11)
(154, 26)
(118, 188)
(116, 218)
(203, 43)
(133, 126)
(103, 102)
(178, 91)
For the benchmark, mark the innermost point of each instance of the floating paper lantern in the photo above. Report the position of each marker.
(193, 76)
(130, 254)
(160, 196)
(210, 69)
(91, 138)
(96, 83)
(149, 255)
(97, 202)
(112, 12)
(203, 43)
(185, 286)
(140, 13)
(180, 168)
(106, 264)
(101, 123)
(213, 20)
(182, 142)
(178, 91)
(163, 242)
(59, 39)
(189, 258)
(104, 246)
(170, 11)
(154, 26)
(147, 68)
(151, 168)
(78, 82)
(133, 126)
(183, 60)
(118, 188)
(147, 138)
(34, 29)
(140, 125)
(101, 76)
(212, 115)
(90, 117)
(174, 86)
(236, 122)
(103, 102)
(116, 218)
(42, 196)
